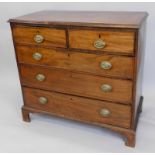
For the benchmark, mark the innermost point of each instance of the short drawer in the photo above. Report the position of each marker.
(39, 36)
(104, 65)
(105, 40)
(78, 108)
(78, 84)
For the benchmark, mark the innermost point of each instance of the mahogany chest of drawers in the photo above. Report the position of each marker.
(84, 66)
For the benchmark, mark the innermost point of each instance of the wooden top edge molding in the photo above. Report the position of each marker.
(84, 18)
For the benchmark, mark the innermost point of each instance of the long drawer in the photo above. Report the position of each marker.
(78, 108)
(104, 65)
(75, 83)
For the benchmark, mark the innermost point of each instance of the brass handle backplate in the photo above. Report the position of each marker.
(37, 56)
(99, 44)
(105, 65)
(40, 77)
(43, 100)
(38, 38)
(106, 88)
(105, 112)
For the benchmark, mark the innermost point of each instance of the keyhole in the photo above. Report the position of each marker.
(68, 54)
(38, 32)
(99, 36)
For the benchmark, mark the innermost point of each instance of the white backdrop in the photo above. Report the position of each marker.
(11, 100)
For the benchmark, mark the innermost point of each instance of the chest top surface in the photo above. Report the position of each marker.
(84, 18)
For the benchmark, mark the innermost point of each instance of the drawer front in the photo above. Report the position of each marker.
(77, 84)
(78, 108)
(104, 65)
(110, 41)
(39, 36)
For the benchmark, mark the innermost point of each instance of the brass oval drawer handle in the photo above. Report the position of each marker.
(99, 44)
(105, 65)
(38, 38)
(37, 56)
(106, 88)
(43, 100)
(40, 77)
(105, 112)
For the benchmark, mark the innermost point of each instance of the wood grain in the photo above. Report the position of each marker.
(78, 108)
(71, 66)
(95, 19)
(122, 67)
(138, 70)
(116, 41)
(128, 134)
(52, 37)
(78, 84)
